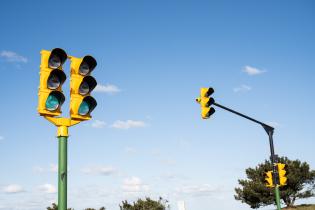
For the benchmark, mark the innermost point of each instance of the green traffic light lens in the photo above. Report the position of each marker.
(52, 103)
(54, 61)
(84, 108)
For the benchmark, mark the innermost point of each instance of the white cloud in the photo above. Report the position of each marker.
(38, 169)
(134, 185)
(252, 70)
(242, 88)
(198, 191)
(13, 188)
(110, 89)
(168, 161)
(274, 124)
(47, 188)
(128, 124)
(130, 150)
(53, 168)
(98, 124)
(12, 57)
(100, 170)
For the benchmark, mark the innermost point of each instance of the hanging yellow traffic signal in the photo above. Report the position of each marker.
(50, 96)
(282, 170)
(81, 85)
(205, 102)
(268, 179)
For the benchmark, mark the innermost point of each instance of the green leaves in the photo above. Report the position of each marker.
(147, 203)
(300, 184)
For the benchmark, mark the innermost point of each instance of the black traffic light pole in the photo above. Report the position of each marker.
(274, 159)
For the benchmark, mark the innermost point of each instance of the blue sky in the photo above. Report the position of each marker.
(146, 136)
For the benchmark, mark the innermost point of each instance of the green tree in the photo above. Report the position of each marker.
(102, 208)
(145, 204)
(55, 207)
(300, 184)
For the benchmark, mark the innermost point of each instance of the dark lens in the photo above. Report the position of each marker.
(53, 82)
(84, 68)
(84, 88)
(54, 61)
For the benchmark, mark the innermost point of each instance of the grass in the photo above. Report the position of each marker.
(302, 207)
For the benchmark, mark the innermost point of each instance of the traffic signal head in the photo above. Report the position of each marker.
(268, 179)
(206, 92)
(205, 102)
(282, 170)
(81, 85)
(50, 96)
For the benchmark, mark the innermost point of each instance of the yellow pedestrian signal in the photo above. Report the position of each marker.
(268, 179)
(205, 102)
(50, 96)
(282, 170)
(81, 85)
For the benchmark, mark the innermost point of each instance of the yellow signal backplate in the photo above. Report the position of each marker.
(75, 82)
(75, 65)
(204, 101)
(205, 112)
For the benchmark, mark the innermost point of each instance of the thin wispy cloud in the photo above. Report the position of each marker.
(38, 169)
(98, 124)
(134, 185)
(53, 168)
(130, 150)
(242, 88)
(99, 170)
(47, 188)
(119, 124)
(274, 124)
(168, 161)
(252, 70)
(109, 89)
(13, 188)
(10, 56)
(198, 190)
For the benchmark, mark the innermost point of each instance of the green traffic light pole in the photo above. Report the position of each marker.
(62, 134)
(273, 157)
(62, 172)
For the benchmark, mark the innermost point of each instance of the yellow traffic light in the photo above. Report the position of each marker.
(282, 173)
(81, 85)
(205, 102)
(50, 96)
(268, 179)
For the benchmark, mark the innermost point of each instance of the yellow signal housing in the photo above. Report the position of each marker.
(50, 96)
(205, 102)
(81, 85)
(268, 179)
(282, 173)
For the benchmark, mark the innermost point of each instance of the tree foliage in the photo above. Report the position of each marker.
(300, 184)
(145, 204)
(55, 207)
